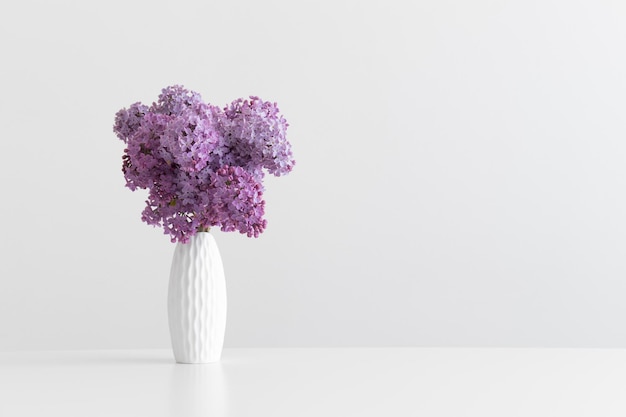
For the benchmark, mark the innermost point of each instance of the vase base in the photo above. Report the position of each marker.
(198, 363)
(186, 360)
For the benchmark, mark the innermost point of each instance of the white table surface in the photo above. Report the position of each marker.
(317, 382)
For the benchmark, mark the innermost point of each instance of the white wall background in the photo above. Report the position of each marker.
(460, 173)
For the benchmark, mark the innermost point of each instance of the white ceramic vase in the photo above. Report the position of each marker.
(197, 301)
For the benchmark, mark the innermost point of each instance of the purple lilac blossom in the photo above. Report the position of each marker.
(237, 201)
(256, 135)
(203, 166)
(127, 121)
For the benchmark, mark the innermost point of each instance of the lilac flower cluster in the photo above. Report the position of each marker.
(203, 166)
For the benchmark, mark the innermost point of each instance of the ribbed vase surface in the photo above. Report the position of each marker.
(197, 301)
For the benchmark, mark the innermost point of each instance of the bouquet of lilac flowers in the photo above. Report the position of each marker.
(203, 166)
